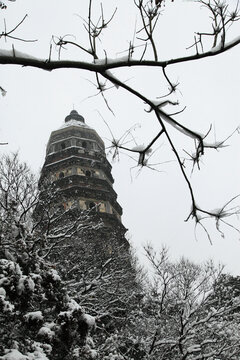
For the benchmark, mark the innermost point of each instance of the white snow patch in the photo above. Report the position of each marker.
(161, 104)
(233, 41)
(2, 292)
(6, 52)
(3, 261)
(31, 284)
(108, 72)
(34, 315)
(73, 305)
(7, 306)
(216, 144)
(89, 320)
(93, 354)
(142, 148)
(46, 332)
(73, 122)
(111, 61)
(13, 354)
(3, 280)
(54, 275)
(35, 276)
(179, 128)
(10, 266)
(216, 48)
(19, 54)
(65, 314)
(39, 351)
(229, 43)
(21, 286)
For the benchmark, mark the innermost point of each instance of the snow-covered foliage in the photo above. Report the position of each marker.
(194, 319)
(100, 268)
(188, 312)
(39, 320)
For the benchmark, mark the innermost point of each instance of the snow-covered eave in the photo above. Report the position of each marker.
(71, 157)
(75, 123)
(14, 57)
(69, 138)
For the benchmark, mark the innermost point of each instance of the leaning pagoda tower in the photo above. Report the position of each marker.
(80, 219)
(76, 164)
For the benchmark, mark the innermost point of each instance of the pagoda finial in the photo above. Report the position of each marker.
(74, 115)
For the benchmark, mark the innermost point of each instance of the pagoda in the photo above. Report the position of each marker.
(76, 164)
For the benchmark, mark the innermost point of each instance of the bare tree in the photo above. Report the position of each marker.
(192, 321)
(18, 197)
(144, 51)
(37, 217)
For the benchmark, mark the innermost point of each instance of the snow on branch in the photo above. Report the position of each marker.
(145, 36)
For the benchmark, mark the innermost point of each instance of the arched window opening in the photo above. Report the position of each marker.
(82, 204)
(84, 144)
(63, 146)
(80, 171)
(102, 207)
(91, 205)
(61, 175)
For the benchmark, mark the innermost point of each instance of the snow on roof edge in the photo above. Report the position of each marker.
(74, 123)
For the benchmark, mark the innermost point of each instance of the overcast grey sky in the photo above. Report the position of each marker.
(155, 203)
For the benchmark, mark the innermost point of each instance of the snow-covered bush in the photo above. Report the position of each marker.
(39, 320)
(35, 309)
